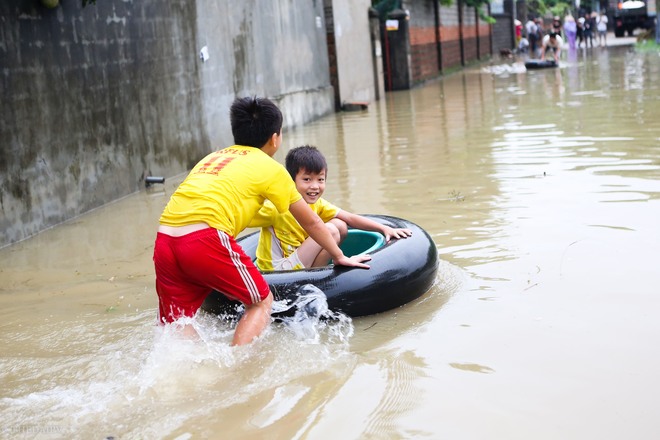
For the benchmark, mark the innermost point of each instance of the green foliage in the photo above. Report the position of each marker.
(537, 8)
(560, 9)
(479, 6)
(647, 46)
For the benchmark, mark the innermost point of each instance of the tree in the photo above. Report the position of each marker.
(558, 8)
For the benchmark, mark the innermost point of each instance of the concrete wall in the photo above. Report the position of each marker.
(503, 29)
(353, 45)
(95, 98)
(377, 54)
(265, 48)
(351, 52)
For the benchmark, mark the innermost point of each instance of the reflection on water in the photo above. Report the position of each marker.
(540, 190)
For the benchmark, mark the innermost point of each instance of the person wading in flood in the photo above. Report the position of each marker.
(196, 251)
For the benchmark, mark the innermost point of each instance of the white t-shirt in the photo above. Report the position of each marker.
(531, 28)
(602, 23)
(547, 42)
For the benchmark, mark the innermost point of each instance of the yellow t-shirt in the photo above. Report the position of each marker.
(281, 234)
(227, 188)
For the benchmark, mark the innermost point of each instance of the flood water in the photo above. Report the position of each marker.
(541, 190)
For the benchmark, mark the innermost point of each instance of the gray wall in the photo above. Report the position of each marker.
(95, 98)
(265, 48)
(354, 50)
(504, 34)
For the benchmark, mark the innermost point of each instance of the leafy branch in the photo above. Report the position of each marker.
(557, 8)
(479, 5)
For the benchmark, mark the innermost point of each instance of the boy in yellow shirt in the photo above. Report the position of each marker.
(283, 243)
(196, 251)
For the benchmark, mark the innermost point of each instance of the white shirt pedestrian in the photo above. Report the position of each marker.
(601, 26)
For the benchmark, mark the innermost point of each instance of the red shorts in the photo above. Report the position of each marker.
(189, 267)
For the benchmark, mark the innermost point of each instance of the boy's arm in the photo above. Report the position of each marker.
(359, 222)
(316, 229)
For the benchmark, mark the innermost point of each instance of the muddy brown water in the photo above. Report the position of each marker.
(541, 190)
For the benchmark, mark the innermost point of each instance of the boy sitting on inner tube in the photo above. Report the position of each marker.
(283, 244)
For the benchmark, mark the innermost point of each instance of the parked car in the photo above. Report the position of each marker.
(631, 15)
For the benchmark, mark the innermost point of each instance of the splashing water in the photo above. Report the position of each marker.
(505, 69)
(311, 318)
(123, 382)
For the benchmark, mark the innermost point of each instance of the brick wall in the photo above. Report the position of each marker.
(444, 38)
(424, 53)
(484, 39)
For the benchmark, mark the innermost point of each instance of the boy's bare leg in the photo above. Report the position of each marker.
(189, 332)
(321, 259)
(338, 229)
(254, 321)
(309, 252)
(341, 226)
(316, 254)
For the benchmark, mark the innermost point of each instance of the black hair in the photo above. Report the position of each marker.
(254, 120)
(307, 158)
(553, 34)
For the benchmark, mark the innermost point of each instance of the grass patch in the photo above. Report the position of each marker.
(647, 45)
